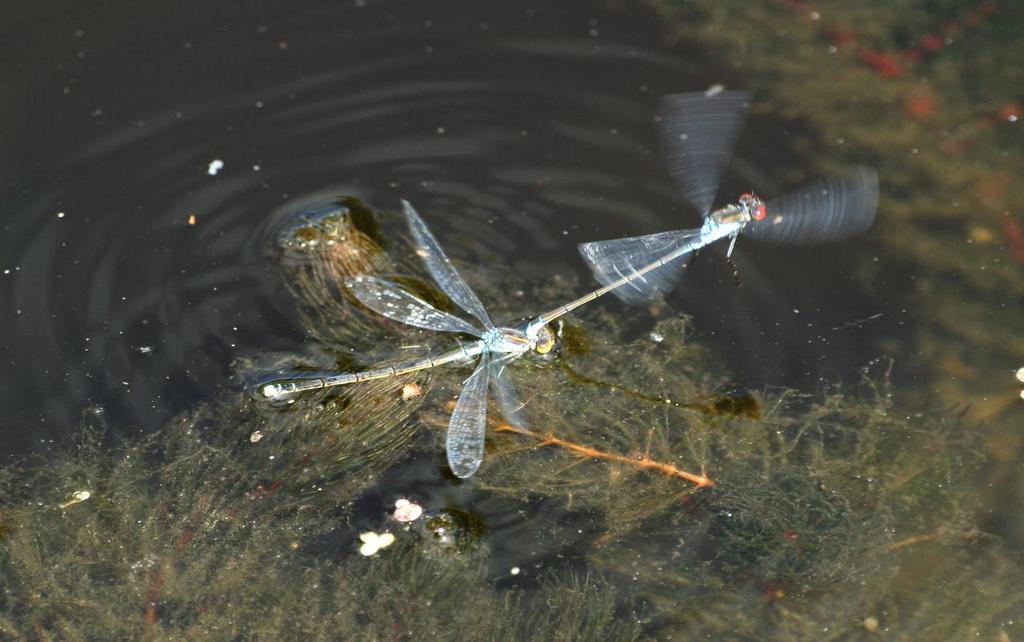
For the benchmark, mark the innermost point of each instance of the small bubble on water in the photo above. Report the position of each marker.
(215, 166)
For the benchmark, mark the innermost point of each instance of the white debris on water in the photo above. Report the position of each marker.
(373, 542)
(406, 511)
(76, 497)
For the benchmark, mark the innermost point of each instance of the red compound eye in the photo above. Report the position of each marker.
(754, 206)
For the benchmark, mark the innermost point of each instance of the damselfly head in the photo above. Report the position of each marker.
(753, 206)
(544, 342)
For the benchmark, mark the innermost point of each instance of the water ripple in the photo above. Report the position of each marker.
(515, 130)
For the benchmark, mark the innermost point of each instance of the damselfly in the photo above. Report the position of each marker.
(698, 134)
(494, 346)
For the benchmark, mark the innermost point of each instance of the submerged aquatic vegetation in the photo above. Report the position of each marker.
(833, 515)
(184, 540)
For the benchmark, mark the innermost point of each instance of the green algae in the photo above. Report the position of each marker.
(833, 515)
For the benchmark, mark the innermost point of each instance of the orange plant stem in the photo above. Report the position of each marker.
(644, 462)
(910, 541)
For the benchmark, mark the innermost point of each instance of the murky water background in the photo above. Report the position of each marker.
(518, 131)
(136, 279)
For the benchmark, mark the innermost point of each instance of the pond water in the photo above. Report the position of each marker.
(855, 403)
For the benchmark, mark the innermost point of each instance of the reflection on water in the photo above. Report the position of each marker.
(147, 291)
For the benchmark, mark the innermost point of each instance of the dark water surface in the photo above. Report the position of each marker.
(518, 129)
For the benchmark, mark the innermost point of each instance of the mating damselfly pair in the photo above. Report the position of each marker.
(697, 133)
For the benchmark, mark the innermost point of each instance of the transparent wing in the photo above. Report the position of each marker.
(612, 260)
(442, 269)
(465, 441)
(505, 393)
(828, 209)
(697, 133)
(390, 300)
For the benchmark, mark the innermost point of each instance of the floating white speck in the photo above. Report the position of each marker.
(76, 497)
(60, 214)
(657, 337)
(372, 542)
(514, 570)
(145, 349)
(255, 437)
(714, 90)
(1020, 375)
(411, 391)
(406, 511)
(215, 166)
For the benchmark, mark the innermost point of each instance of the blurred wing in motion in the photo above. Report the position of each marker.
(465, 440)
(388, 299)
(442, 269)
(697, 132)
(614, 259)
(828, 209)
